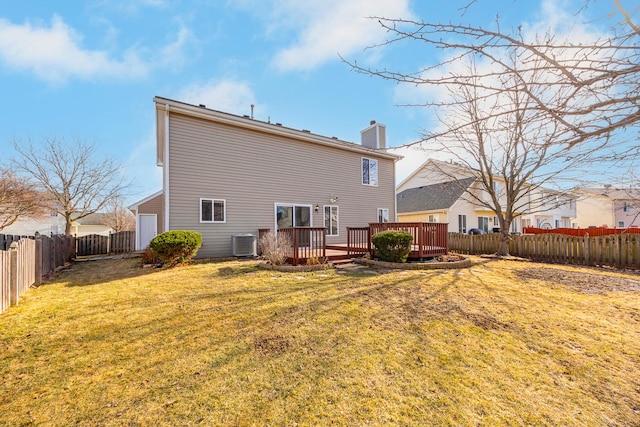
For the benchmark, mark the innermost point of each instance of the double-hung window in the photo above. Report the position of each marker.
(331, 220)
(369, 172)
(462, 224)
(213, 210)
(383, 215)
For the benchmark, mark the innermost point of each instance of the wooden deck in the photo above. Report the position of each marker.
(429, 240)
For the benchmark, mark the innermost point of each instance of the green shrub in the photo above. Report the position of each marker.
(176, 246)
(392, 246)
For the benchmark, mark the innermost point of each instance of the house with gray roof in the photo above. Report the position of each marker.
(440, 192)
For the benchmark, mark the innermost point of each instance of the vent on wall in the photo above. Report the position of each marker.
(244, 245)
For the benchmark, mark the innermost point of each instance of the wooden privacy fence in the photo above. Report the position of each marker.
(582, 232)
(27, 261)
(115, 243)
(615, 250)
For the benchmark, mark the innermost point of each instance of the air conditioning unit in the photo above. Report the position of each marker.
(244, 245)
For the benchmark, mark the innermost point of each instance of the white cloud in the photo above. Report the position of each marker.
(328, 27)
(55, 53)
(174, 54)
(223, 95)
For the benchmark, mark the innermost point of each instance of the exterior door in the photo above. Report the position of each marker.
(147, 229)
(294, 216)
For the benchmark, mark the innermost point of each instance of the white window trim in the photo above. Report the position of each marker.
(383, 210)
(377, 174)
(324, 218)
(213, 215)
(462, 228)
(292, 205)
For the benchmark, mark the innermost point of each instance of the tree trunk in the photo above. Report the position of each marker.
(67, 226)
(505, 238)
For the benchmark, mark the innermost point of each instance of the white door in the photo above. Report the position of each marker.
(148, 228)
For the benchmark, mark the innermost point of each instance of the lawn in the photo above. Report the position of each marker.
(108, 343)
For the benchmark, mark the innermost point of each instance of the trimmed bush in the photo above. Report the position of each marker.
(392, 246)
(176, 246)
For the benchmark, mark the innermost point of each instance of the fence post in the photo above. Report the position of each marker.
(13, 273)
(38, 261)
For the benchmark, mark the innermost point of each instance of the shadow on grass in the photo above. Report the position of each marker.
(100, 271)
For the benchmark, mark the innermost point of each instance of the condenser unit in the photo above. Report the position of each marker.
(244, 245)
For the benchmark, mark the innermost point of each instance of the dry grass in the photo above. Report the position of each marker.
(109, 343)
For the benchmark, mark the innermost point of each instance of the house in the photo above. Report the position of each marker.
(442, 192)
(47, 224)
(95, 223)
(226, 175)
(608, 207)
(55, 223)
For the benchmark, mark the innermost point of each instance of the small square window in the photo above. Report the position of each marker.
(213, 210)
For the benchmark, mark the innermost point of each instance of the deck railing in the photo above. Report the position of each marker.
(306, 242)
(429, 238)
(358, 240)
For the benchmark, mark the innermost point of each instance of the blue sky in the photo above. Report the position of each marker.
(90, 69)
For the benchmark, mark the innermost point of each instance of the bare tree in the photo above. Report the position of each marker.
(118, 217)
(524, 109)
(509, 148)
(19, 199)
(77, 181)
(592, 86)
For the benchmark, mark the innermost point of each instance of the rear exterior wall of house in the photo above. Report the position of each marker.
(253, 171)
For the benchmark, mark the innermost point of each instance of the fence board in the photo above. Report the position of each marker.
(122, 242)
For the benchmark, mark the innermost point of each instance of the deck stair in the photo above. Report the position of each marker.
(344, 263)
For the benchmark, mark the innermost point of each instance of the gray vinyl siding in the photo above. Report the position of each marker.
(154, 206)
(253, 170)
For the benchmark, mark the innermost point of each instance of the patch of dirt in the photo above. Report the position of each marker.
(481, 320)
(271, 345)
(588, 283)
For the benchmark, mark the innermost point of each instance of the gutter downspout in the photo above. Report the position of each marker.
(395, 194)
(166, 167)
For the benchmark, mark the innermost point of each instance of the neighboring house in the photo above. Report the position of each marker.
(55, 223)
(430, 194)
(226, 175)
(608, 207)
(48, 224)
(94, 223)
